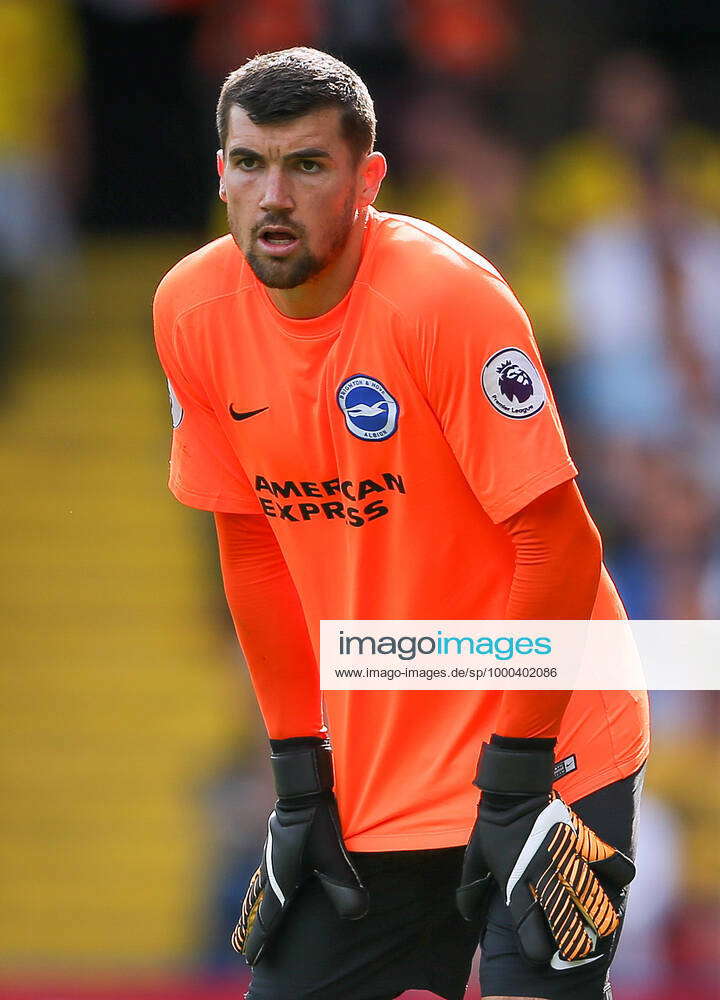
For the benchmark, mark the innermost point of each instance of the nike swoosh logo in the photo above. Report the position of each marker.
(248, 413)
(560, 964)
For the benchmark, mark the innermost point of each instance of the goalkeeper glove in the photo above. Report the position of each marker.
(549, 866)
(303, 840)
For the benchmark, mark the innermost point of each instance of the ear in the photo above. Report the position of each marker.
(220, 164)
(372, 171)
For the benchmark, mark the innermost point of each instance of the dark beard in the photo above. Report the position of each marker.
(283, 273)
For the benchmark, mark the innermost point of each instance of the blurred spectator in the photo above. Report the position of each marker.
(635, 137)
(461, 38)
(644, 306)
(686, 747)
(644, 390)
(642, 958)
(42, 154)
(458, 175)
(229, 32)
(629, 212)
(663, 550)
(683, 771)
(634, 132)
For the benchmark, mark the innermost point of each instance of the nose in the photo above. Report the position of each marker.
(277, 196)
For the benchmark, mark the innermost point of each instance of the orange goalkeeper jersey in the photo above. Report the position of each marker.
(384, 442)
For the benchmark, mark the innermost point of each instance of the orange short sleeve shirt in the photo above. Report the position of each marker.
(384, 441)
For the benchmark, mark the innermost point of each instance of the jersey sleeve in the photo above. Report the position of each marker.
(204, 471)
(271, 627)
(491, 395)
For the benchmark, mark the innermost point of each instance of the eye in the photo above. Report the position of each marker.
(247, 163)
(309, 166)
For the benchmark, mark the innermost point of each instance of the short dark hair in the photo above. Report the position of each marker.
(279, 86)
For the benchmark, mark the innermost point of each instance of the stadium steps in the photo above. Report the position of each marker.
(120, 692)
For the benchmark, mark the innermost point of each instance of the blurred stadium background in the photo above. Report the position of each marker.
(576, 145)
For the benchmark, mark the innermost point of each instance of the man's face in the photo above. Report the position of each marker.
(291, 192)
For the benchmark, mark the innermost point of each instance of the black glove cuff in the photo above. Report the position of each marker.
(297, 743)
(525, 743)
(302, 769)
(508, 771)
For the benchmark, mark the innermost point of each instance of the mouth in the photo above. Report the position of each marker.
(277, 241)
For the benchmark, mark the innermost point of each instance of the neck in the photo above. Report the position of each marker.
(323, 292)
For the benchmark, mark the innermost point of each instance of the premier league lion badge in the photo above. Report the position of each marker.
(513, 385)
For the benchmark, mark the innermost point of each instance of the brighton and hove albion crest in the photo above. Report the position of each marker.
(371, 413)
(512, 384)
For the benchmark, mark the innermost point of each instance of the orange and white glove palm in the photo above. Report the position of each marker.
(556, 874)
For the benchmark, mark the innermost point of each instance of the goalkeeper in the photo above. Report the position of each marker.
(359, 400)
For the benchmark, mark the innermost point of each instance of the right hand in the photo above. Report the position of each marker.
(303, 840)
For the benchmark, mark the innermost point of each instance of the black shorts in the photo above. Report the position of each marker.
(414, 938)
